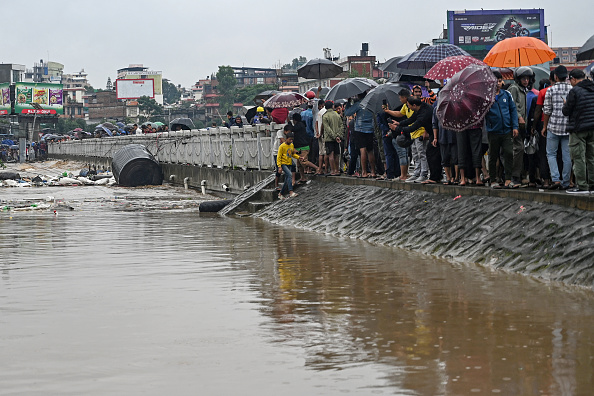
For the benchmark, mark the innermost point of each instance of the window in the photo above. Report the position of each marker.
(565, 58)
(565, 52)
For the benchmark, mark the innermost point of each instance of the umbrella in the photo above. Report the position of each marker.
(77, 129)
(266, 94)
(104, 127)
(323, 92)
(120, 124)
(427, 57)
(108, 125)
(467, 97)
(586, 52)
(130, 128)
(319, 69)
(519, 51)
(286, 100)
(391, 66)
(350, 87)
(588, 69)
(389, 92)
(451, 65)
(185, 123)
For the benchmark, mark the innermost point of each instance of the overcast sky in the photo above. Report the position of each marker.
(188, 40)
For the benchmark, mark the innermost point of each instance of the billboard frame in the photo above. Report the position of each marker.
(132, 80)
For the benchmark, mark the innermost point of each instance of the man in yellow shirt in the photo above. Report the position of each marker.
(284, 161)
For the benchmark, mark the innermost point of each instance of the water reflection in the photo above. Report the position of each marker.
(171, 300)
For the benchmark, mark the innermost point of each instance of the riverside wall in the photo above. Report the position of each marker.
(515, 234)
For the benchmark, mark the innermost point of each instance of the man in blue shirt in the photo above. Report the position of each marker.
(364, 133)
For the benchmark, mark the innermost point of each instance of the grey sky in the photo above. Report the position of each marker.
(188, 40)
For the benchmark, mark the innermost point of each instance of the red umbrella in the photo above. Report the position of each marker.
(451, 65)
(467, 97)
(285, 99)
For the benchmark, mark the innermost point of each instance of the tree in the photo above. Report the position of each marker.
(89, 89)
(295, 63)
(226, 87)
(246, 94)
(149, 106)
(170, 92)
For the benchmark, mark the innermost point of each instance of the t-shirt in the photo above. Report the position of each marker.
(319, 120)
(280, 134)
(540, 99)
(408, 113)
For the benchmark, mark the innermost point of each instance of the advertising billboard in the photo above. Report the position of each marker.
(38, 98)
(482, 29)
(5, 99)
(134, 89)
(148, 74)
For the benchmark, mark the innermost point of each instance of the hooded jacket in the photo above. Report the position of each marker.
(579, 106)
(518, 93)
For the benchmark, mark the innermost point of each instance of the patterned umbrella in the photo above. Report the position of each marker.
(451, 65)
(427, 57)
(467, 97)
(350, 87)
(391, 65)
(285, 100)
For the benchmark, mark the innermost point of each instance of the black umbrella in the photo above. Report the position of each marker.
(586, 52)
(266, 94)
(350, 87)
(184, 123)
(319, 69)
(427, 57)
(391, 66)
(388, 92)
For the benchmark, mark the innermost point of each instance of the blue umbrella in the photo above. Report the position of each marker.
(589, 68)
(426, 57)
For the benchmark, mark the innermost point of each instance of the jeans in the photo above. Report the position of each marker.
(288, 183)
(392, 169)
(552, 147)
(354, 152)
(402, 153)
(581, 145)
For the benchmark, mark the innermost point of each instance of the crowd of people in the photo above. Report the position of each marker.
(535, 134)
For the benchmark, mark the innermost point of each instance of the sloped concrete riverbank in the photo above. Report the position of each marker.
(547, 241)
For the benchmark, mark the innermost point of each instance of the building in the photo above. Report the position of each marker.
(12, 73)
(105, 105)
(567, 56)
(75, 88)
(45, 72)
(254, 75)
(139, 71)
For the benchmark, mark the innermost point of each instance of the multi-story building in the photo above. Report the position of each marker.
(12, 73)
(254, 75)
(75, 87)
(567, 56)
(45, 72)
(105, 105)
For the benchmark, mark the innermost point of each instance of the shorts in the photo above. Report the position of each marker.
(322, 147)
(332, 147)
(364, 140)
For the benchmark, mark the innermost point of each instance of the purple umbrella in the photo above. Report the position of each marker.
(285, 99)
(467, 97)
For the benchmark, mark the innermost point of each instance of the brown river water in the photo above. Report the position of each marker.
(139, 294)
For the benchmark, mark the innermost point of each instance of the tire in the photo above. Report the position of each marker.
(213, 206)
(500, 36)
(524, 33)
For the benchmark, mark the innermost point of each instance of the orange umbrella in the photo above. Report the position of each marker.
(519, 51)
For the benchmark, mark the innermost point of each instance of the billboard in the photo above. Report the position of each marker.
(482, 29)
(38, 98)
(5, 99)
(154, 75)
(134, 89)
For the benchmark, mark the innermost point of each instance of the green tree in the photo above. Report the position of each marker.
(149, 106)
(246, 94)
(226, 88)
(170, 92)
(295, 63)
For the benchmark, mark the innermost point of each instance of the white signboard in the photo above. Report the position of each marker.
(134, 89)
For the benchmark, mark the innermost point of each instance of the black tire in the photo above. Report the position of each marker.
(213, 206)
(524, 33)
(500, 36)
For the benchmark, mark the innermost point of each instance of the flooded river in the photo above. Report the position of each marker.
(136, 295)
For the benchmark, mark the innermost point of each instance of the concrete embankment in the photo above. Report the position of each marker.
(540, 239)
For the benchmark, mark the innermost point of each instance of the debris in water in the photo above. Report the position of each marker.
(459, 196)
(522, 208)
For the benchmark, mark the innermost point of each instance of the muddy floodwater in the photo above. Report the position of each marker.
(134, 292)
